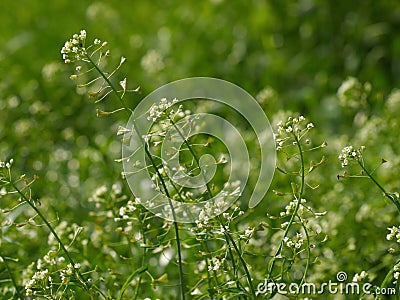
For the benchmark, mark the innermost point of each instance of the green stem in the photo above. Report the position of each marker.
(136, 294)
(294, 214)
(303, 279)
(388, 276)
(234, 267)
(302, 169)
(176, 228)
(240, 255)
(39, 213)
(227, 236)
(128, 281)
(388, 195)
(111, 85)
(203, 244)
(4, 259)
(186, 142)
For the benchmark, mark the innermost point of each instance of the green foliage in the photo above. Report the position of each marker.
(72, 214)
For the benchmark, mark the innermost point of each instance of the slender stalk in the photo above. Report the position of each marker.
(294, 214)
(203, 244)
(388, 277)
(110, 84)
(62, 246)
(227, 236)
(303, 279)
(388, 195)
(4, 260)
(136, 294)
(235, 270)
(176, 228)
(130, 278)
(240, 255)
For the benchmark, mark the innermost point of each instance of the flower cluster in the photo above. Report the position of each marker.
(7, 165)
(4, 173)
(294, 243)
(126, 210)
(68, 272)
(232, 214)
(394, 233)
(216, 264)
(98, 195)
(202, 220)
(74, 49)
(396, 273)
(290, 208)
(360, 277)
(50, 259)
(159, 110)
(349, 153)
(292, 127)
(101, 194)
(39, 279)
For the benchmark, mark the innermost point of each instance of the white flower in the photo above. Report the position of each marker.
(289, 129)
(394, 233)
(158, 110)
(122, 83)
(74, 49)
(360, 277)
(8, 165)
(349, 154)
(82, 34)
(396, 275)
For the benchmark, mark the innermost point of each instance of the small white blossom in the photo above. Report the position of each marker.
(289, 129)
(75, 49)
(216, 264)
(360, 277)
(161, 109)
(349, 154)
(293, 127)
(394, 233)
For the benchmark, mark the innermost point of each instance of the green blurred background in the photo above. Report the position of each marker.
(299, 51)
